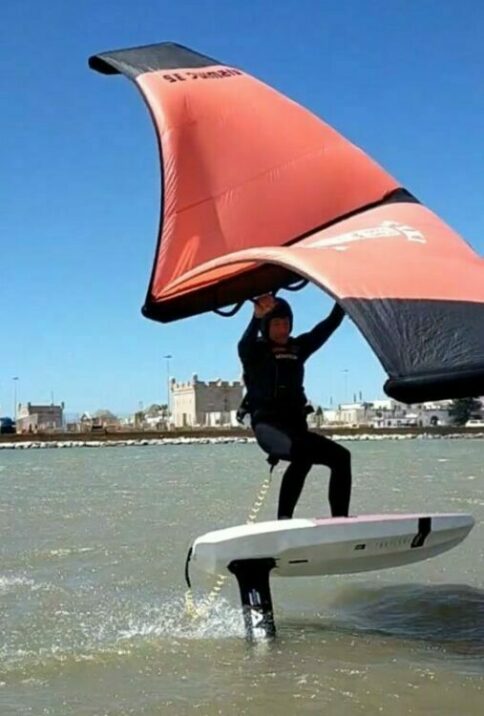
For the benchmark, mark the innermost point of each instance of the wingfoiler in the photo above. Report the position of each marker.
(257, 195)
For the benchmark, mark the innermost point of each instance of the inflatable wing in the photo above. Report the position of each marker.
(258, 193)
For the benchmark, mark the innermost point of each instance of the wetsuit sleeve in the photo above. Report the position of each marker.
(248, 342)
(312, 341)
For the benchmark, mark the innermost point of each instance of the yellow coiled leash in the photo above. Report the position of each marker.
(190, 606)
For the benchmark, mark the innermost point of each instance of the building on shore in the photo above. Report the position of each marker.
(204, 404)
(389, 413)
(100, 420)
(39, 418)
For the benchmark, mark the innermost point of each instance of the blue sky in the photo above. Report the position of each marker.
(79, 175)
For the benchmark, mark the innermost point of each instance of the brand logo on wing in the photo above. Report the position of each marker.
(184, 75)
(386, 230)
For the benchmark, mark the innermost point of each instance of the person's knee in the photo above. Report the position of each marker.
(301, 466)
(346, 453)
(301, 456)
(343, 457)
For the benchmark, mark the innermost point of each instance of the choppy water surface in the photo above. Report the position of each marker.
(92, 617)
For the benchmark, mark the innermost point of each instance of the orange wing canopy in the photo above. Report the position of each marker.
(257, 192)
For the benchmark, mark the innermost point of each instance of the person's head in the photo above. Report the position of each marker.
(277, 323)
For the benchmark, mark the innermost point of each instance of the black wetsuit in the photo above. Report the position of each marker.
(276, 401)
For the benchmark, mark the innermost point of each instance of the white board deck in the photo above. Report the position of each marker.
(311, 547)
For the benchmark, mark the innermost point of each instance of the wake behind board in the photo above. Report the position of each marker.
(311, 547)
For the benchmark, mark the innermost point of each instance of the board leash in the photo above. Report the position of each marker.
(197, 612)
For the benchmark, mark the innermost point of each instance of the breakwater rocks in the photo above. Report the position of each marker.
(222, 440)
(24, 445)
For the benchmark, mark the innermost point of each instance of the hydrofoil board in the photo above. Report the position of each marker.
(311, 547)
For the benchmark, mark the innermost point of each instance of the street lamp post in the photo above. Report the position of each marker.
(167, 358)
(15, 380)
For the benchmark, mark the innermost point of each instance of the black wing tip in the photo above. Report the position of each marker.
(97, 63)
(442, 386)
(102, 62)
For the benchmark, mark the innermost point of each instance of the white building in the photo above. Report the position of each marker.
(197, 403)
(350, 414)
(389, 413)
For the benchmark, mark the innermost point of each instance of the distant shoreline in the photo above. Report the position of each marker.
(219, 436)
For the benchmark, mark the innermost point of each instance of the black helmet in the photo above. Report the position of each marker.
(281, 310)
